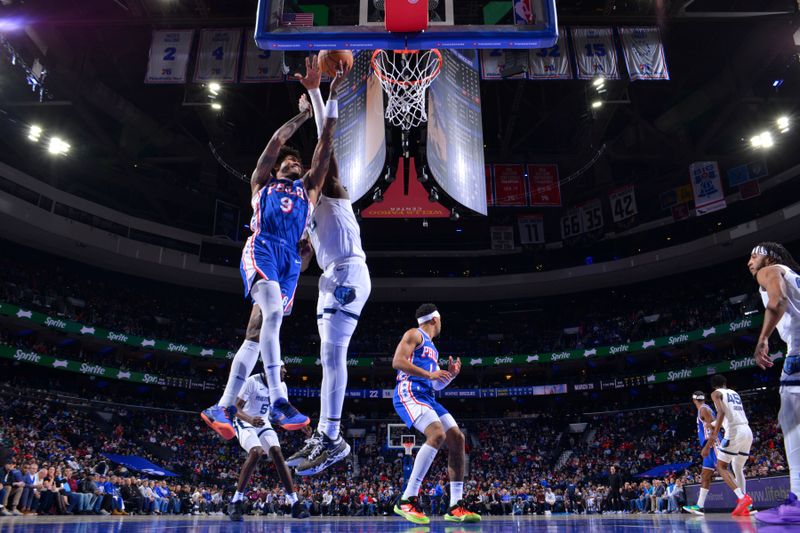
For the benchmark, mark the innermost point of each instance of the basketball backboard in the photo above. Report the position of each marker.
(482, 24)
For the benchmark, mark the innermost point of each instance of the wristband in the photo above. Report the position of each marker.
(332, 108)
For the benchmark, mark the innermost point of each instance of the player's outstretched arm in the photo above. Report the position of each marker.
(268, 157)
(771, 278)
(306, 251)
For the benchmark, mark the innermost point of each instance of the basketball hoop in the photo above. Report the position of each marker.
(405, 76)
(409, 447)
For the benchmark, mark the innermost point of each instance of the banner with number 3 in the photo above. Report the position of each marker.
(262, 65)
(169, 56)
(218, 55)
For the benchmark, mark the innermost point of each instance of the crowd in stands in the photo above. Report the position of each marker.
(515, 464)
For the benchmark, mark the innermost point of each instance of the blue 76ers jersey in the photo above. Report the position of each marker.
(425, 356)
(280, 209)
(702, 432)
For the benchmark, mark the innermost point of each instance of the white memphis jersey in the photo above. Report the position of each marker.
(255, 394)
(334, 231)
(789, 325)
(734, 410)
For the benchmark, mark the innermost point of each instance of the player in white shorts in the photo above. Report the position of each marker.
(776, 272)
(255, 434)
(735, 446)
(344, 287)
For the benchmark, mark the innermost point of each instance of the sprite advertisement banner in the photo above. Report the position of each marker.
(31, 357)
(709, 332)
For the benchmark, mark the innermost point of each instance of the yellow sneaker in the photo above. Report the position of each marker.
(411, 511)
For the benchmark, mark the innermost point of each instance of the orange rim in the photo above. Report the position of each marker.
(387, 79)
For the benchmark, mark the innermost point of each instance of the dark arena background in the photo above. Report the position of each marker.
(581, 188)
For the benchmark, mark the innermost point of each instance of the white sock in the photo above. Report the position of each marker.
(267, 295)
(789, 417)
(238, 496)
(701, 500)
(738, 470)
(242, 366)
(456, 492)
(422, 464)
(291, 498)
(739, 493)
(334, 384)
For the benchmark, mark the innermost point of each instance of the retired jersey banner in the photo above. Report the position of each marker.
(644, 53)
(262, 65)
(218, 55)
(544, 185)
(572, 224)
(592, 215)
(623, 203)
(509, 185)
(494, 61)
(551, 63)
(531, 229)
(595, 53)
(707, 186)
(169, 56)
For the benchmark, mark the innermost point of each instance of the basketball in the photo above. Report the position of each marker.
(329, 61)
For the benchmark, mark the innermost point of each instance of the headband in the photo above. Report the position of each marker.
(430, 316)
(698, 396)
(760, 250)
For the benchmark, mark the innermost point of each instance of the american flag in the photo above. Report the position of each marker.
(297, 19)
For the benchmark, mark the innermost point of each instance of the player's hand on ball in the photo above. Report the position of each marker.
(304, 105)
(313, 74)
(762, 354)
(441, 375)
(341, 74)
(258, 421)
(454, 366)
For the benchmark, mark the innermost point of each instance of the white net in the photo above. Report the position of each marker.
(405, 77)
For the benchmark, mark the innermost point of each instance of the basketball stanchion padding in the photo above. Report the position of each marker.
(406, 16)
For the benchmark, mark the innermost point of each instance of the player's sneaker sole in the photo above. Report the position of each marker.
(693, 510)
(300, 456)
(224, 429)
(335, 457)
(466, 519)
(410, 517)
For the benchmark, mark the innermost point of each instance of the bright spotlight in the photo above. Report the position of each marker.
(214, 88)
(598, 82)
(216, 106)
(756, 141)
(34, 133)
(58, 146)
(766, 140)
(783, 124)
(597, 103)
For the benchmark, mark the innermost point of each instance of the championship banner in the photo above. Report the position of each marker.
(169, 56)
(707, 186)
(595, 53)
(218, 55)
(571, 224)
(531, 229)
(262, 66)
(494, 61)
(544, 185)
(551, 63)
(592, 215)
(644, 53)
(675, 339)
(623, 203)
(509, 185)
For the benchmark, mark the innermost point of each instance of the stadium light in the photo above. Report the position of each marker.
(597, 104)
(762, 140)
(216, 106)
(433, 196)
(598, 82)
(783, 123)
(34, 133)
(214, 88)
(58, 146)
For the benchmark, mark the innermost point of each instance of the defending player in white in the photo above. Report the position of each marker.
(255, 434)
(416, 360)
(343, 290)
(735, 446)
(776, 272)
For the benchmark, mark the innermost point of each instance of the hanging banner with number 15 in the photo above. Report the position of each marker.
(169, 55)
(218, 55)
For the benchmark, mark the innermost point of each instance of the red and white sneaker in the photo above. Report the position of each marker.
(742, 506)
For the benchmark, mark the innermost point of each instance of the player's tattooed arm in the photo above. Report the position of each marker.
(268, 157)
(771, 278)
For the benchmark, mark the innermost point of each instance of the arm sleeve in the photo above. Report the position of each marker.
(439, 385)
(247, 390)
(319, 109)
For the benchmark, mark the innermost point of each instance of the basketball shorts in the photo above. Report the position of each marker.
(710, 462)
(790, 375)
(343, 290)
(418, 408)
(737, 442)
(273, 260)
(250, 436)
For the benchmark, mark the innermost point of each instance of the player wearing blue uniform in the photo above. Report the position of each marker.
(281, 198)
(416, 360)
(705, 418)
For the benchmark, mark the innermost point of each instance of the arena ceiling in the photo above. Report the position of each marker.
(144, 149)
